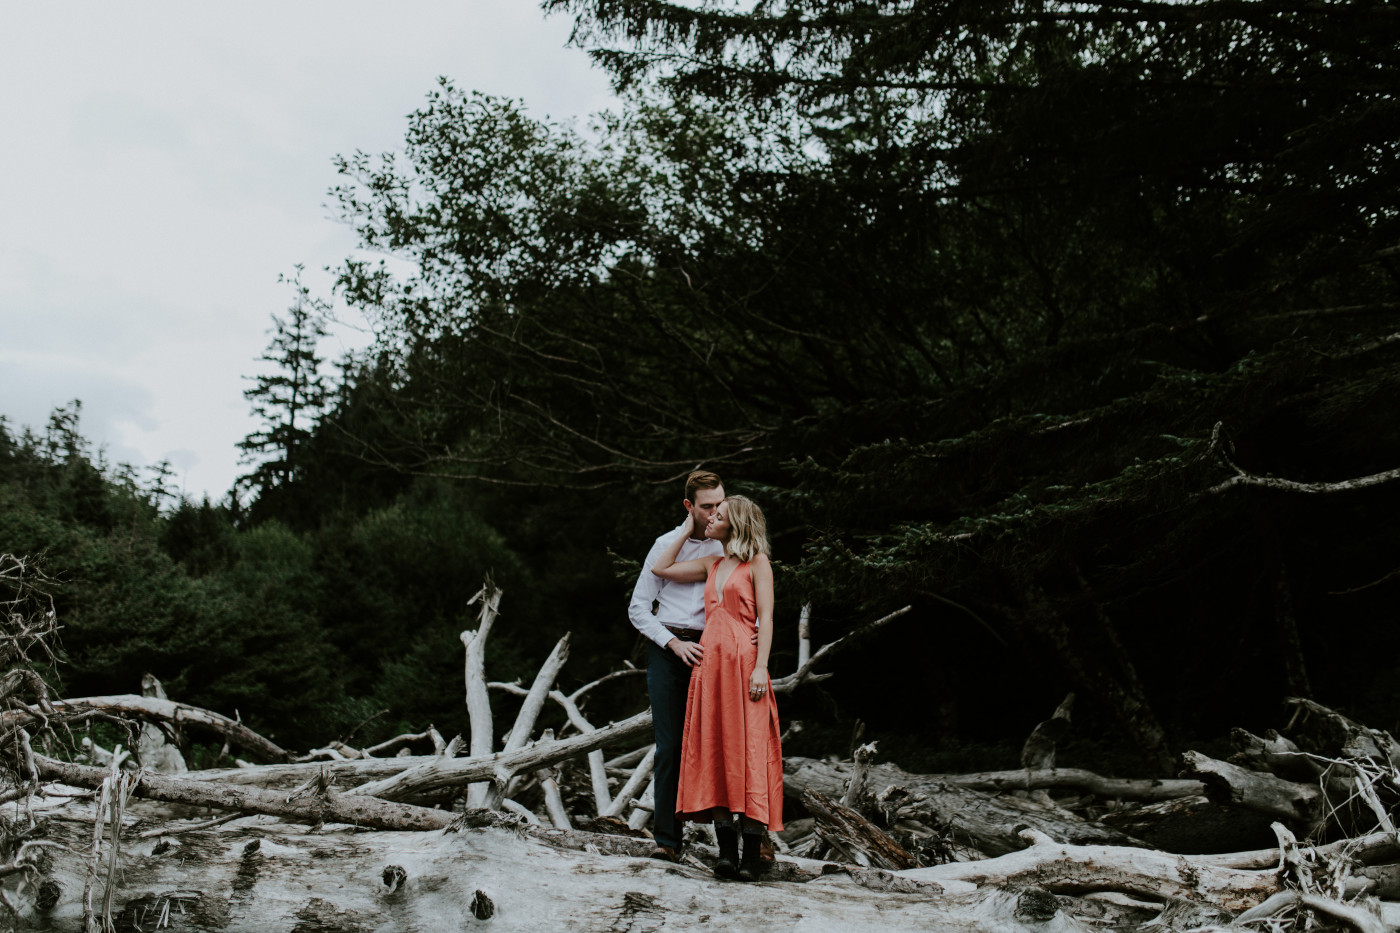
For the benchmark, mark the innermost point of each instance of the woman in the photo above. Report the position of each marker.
(731, 759)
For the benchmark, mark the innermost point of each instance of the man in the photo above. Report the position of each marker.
(672, 616)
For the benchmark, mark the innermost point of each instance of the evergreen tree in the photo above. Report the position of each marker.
(991, 298)
(290, 399)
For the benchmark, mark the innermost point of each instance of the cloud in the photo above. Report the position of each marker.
(169, 160)
(34, 386)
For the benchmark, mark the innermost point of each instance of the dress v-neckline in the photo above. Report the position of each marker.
(719, 587)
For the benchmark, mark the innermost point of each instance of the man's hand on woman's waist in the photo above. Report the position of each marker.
(688, 651)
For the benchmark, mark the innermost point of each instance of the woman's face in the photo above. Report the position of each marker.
(718, 528)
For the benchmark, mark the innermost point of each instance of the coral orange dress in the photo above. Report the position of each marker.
(731, 755)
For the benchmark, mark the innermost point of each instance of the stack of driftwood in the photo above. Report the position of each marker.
(540, 829)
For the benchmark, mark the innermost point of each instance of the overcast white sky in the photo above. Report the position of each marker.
(163, 162)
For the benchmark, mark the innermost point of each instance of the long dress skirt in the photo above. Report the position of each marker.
(731, 755)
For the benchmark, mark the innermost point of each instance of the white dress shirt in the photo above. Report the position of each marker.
(680, 605)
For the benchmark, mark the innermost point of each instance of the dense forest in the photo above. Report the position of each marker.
(1075, 326)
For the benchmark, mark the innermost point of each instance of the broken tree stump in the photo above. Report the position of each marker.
(846, 831)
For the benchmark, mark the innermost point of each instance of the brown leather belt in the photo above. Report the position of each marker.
(684, 634)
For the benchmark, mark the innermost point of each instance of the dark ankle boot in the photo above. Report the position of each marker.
(728, 839)
(752, 866)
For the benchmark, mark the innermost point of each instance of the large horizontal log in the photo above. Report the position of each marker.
(327, 807)
(1192, 825)
(1072, 869)
(249, 877)
(361, 770)
(156, 709)
(988, 822)
(343, 773)
(1368, 849)
(1075, 779)
(1299, 804)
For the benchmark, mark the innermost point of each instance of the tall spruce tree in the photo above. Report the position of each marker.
(289, 399)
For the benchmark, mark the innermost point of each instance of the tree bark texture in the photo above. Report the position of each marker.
(253, 876)
(327, 807)
(985, 821)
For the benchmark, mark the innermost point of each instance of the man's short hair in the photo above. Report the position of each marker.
(701, 479)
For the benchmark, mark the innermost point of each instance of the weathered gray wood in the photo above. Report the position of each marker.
(445, 774)
(519, 735)
(478, 699)
(328, 807)
(1075, 779)
(1301, 804)
(1038, 752)
(987, 822)
(855, 784)
(633, 788)
(250, 877)
(159, 710)
(152, 749)
(804, 673)
(1274, 753)
(845, 830)
(1060, 867)
(1326, 732)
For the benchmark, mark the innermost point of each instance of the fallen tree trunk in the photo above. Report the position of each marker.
(1069, 869)
(1328, 733)
(155, 709)
(1191, 825)
(318, 807)
(1299, 804)
(1075, 779)
(447, 774)
(986, 822)
(246, 876)
(1274, 753)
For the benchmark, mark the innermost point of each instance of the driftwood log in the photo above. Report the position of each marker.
(847, 832)
(320, 805)
(157, 709)
(986, 822)
(332, 854)
(1298, 804)
(254, 875)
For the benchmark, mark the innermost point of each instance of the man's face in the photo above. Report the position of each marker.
(703, 508)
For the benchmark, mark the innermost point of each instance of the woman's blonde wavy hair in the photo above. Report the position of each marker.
(748, 532)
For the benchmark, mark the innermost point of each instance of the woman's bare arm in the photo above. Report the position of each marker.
(687, 571)
(761, 570)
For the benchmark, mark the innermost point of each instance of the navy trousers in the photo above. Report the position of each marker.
(668, 683)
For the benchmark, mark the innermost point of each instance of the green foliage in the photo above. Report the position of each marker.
(981, 301)
(964, 290)
(289, 399)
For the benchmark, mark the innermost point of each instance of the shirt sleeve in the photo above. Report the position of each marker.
(644, 594)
